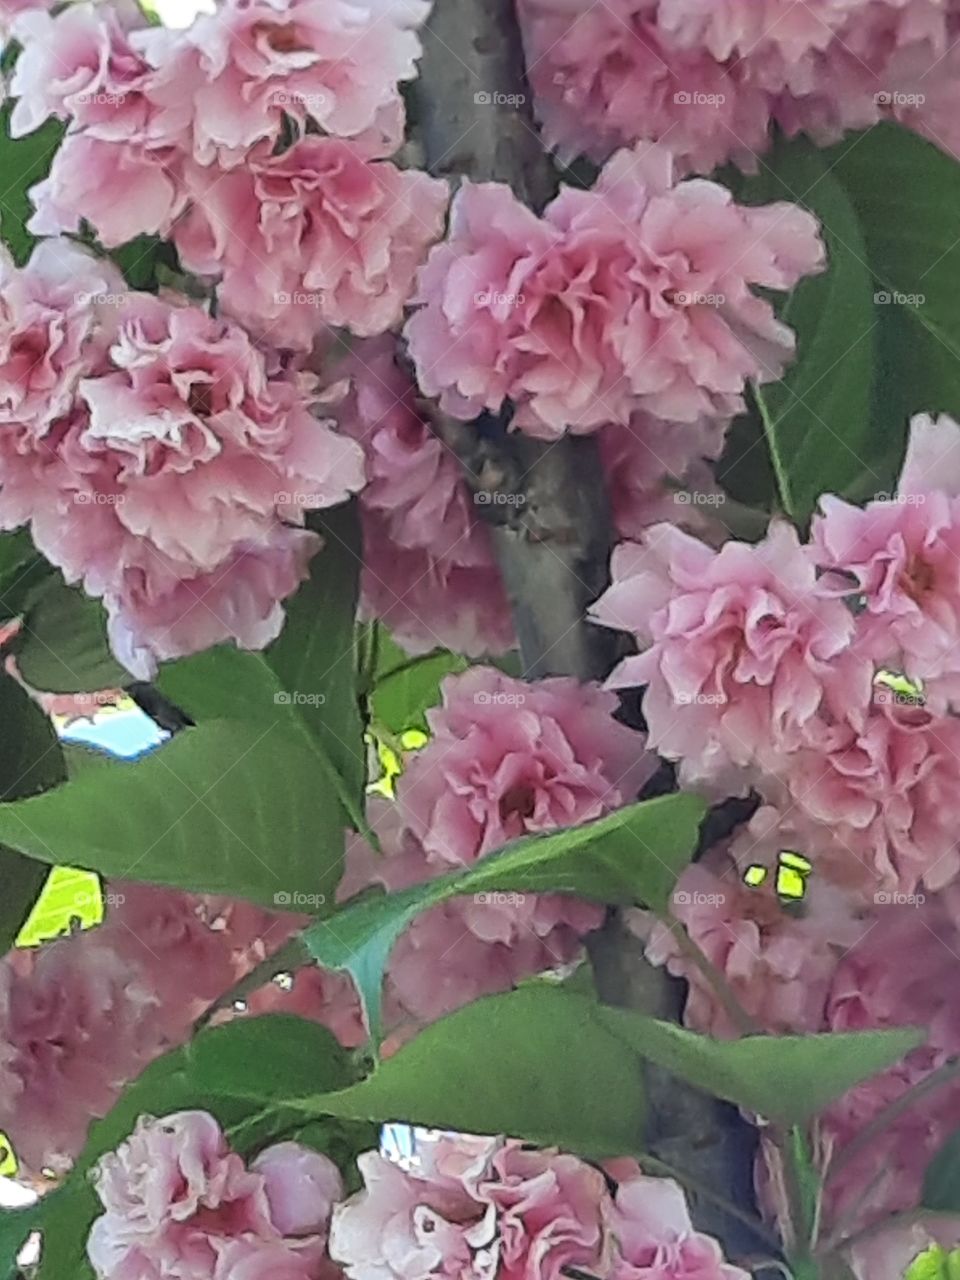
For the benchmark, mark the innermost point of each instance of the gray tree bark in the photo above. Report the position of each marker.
(552, 540)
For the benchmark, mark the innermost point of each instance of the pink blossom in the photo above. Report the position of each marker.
(48, 330)
(888, 1254)
(779, 965)
(76, 1023)
(228, 80)
(126, 492)
(743, 26)
(742, 647)
(635, 295)
(606, 76)
(655, 1237)
(319, 234)
(248, 1258)
(322, 995)
(508, 758)
(885, 786)
(301, 1186)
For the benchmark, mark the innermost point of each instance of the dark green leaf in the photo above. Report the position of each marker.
(227, 807)
(784, 1078)
(30, 762)
(941, 1182)
(62, 646)
(533, 1064)
(817, 418)
(23, 162)
(633, 855)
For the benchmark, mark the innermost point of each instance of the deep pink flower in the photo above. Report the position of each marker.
(741, 646)
(319, 234)
(635, 295)
(323, 995)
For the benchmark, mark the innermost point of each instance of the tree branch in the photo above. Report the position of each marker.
(552, 535)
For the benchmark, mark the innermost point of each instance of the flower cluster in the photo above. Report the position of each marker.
(158, 457)
(634, 296)
(480, 1208)
(82, 1016)
(712, 81)
(179, 1202)
(178, 133)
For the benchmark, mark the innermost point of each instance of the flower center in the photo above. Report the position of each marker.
(518, 801)
(918, 580)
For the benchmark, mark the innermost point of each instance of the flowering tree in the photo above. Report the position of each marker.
(508, 450)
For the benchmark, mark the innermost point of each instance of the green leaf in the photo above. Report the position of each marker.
(30, 762)
(15, 1228)
(227, 807)
(138, 259)
(784, 1078)
(405, 687)
(62, 646)
(941, 1182)
(21, 569)
(314, 656)
(633, 855)
(904, 191)
(817, 418)
(935, 1264)
(24, 162)
(533, 1064)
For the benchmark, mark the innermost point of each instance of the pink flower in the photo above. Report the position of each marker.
(410, 1228)
(301, 1186)
(319, 234)
(744, 26)
(635, 295)
(899, 558)
(885, 786)
(174, 486)
(253, 1259)
(230, 78)
(508, 759)
(655, 1237)
(76, 1023)
(607, 76)
(888, 1255)
(742, 647)
(323, 995)
(779, 965)
(48, 330)
(549, 1213)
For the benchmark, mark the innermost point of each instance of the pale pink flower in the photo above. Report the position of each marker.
(249, 1258)
(606, 76)
(634, 295)
(229, 79)
(655, 1237)
(508, 758)
(49, 314)
(888, 1254)
(301, 1186)
(742, 647)
(174, 486)
(402, 1227)
(743, 27)
(319, 234)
